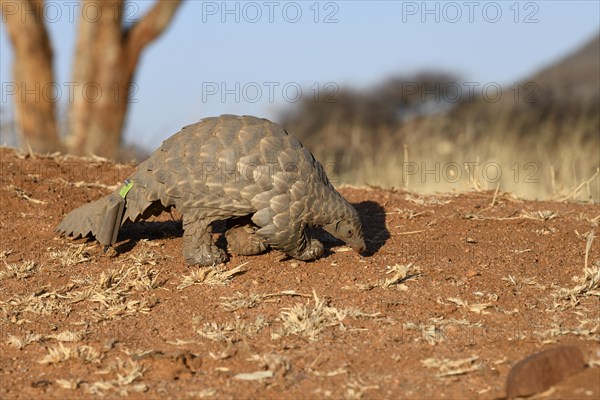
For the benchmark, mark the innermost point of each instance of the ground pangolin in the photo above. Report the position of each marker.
(246, 170)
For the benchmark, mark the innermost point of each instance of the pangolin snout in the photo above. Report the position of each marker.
(359, 247)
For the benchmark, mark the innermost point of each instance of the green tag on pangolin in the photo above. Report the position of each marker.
(126, 188)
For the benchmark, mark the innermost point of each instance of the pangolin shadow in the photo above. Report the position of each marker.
(372, 217)
(131, 233)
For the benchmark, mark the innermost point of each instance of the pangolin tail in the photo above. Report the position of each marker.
(102, 218)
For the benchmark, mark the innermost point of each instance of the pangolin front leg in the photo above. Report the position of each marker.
(290, 238)
(198, 245)
(308, 249)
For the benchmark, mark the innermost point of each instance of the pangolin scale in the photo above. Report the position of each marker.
(246, 170)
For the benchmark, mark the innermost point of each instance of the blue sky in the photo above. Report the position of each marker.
(262, 52)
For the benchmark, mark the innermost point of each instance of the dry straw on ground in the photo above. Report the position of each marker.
(212, 276)
(588, 283)
(398, 274)
(308, 322)
(22, 270)
(447, 367)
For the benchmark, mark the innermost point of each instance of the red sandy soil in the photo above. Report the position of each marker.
(456, 290)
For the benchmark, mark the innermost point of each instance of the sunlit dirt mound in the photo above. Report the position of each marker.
(455, 291)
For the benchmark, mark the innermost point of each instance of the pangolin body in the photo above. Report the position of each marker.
(246, 170)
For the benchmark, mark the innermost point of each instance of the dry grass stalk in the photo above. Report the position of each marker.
(202, 394)
(21, 193)
(5, 253)
(433, 332)
(40, 302)
(254, 376)
(546, 231)
(588, 247)
(520, 282)
(70, 384)
(138, 353)
(588, 329)
(429, 332)
(113, 291)
(212, 276)
(594, 363)
(144, 255)
(589, 283)
(309, 322)
(239, 300)
(180, 342)
(400, 273)
(356, 388)
(65, 336)
(227, 352)
(495, 194)
(73, 255)
(573, 194)
(19, 271)
(144, 279)
(448, 367)
(60, 353)
(544, 215)
(126, 373)
(20, 343)
(427, 200)
(340, 371)
(478, 308)
(231, 331)
(89, 185)
(278, 364)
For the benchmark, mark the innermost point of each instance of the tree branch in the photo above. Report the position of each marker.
(149, 27)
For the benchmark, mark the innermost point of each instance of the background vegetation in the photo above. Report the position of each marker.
(541, 134)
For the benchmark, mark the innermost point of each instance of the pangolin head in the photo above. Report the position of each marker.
(348, 229)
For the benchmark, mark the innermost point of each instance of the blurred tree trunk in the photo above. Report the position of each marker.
(33, 86)
(106, 56)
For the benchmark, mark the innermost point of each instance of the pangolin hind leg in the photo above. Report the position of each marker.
(198, 245)
(242, 238)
